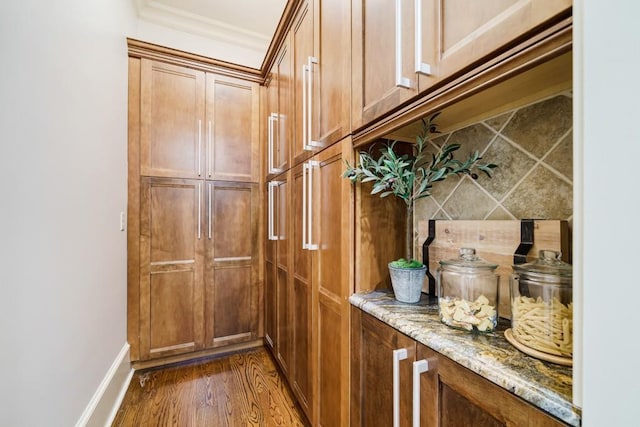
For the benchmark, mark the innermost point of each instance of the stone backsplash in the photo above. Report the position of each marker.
(532, 146)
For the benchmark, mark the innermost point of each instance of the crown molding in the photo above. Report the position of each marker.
(142, 49)
(181, 20)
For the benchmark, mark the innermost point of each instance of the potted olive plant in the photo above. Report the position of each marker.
(411, 177)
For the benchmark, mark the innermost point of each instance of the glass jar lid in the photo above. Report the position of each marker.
(468, 261)
(549, 267)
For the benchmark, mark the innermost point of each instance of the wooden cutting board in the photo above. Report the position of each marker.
(500, 242)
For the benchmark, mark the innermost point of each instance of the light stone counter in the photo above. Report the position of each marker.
(543, 384)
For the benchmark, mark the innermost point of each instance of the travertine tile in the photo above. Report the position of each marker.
(538, 127)
(512, 163)
(471, 138)
(498, 121)
(542, 195)
(561, 158)
(500, 214)
(468, 202)
(424, 209)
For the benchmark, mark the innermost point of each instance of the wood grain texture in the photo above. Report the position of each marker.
(243, 389)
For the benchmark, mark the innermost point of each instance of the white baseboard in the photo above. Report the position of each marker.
(104, 404)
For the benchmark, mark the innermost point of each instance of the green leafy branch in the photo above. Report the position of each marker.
(411, 177)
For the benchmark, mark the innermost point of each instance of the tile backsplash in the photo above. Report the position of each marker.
(532, 146)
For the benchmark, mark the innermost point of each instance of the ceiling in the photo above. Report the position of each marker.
(247, 23)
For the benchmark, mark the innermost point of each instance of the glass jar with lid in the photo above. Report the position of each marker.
(542, 305)
(468, 292)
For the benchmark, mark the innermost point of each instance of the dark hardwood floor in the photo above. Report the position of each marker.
(243, 389)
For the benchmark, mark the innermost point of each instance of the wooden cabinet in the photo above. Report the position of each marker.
(231, 229)
(195, 124)
(172, 249)
(280, 112)
(322, 65)
(194, 209)
(279, 289)
(302, 377)
(449, 394)
(330, 224)
(416, 45)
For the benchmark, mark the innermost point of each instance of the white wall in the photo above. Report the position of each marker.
(218, 49)
(63, 130)
(607, 88)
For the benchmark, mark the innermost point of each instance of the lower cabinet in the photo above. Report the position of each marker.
(384, 365)
(198, 266)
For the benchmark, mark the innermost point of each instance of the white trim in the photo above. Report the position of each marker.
(104, 404)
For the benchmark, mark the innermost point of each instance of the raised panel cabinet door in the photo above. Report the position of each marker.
(283, 296)
(231, 309)
(232, 129)
(302, 35)
(458, 33)
(382, 58)
(303, 375)
(465, 398)
(172, 104)
(373, 345)
(332, 225)
(284, 119)
(171, 267)
(331, 74)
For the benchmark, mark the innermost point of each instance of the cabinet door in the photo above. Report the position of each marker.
(302, 375)
(283, 284)
(172, 101)
(171, 267)
(302, 35)
(232, 129)
(383, 52)
(232, 311)
(332, 225)
(373, 345)
(331, 75)
(457, 396)
(270, 270)
(458, 33)
(280, 116)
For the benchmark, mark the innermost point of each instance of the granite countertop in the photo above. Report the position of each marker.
(545, 385)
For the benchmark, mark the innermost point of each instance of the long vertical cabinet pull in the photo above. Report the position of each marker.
(398, 355)
(199, 211)
(270, 141)
(209, 150)
(400, 81)
(305, 143)
(271, 219)
(305, 167)
(209, 212)
(421, 67)
(309, 117)
(199, 147)
(310, 245)
(419, 367)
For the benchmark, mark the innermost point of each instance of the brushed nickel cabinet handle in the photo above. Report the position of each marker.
(400, 80)
(199, 147)
(310, 142)
(419, 367)
(398, 355)
(421, 67)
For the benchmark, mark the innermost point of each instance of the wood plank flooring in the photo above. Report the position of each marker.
(243, 389)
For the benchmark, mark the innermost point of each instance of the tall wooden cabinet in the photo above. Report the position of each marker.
(194, 208)
(404, 48)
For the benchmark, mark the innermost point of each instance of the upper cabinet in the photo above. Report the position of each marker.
(195, 124)
(322, 71)
(402, 48)
(279, 112)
